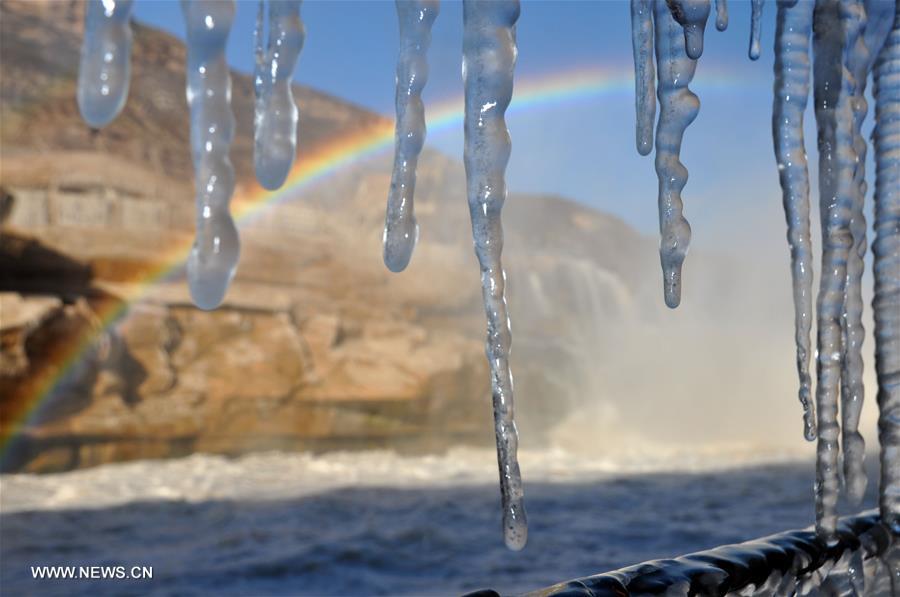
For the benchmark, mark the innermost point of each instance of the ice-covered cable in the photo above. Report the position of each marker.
(275, 113)
(678, 107)
(105, 69)
(489, 57)
(214, 255)
(792, 72)
(400, 228)
(886, 249)
(644, 74)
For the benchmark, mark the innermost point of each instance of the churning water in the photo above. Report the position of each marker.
(380, 523)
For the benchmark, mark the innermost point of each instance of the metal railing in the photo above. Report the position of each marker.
(865, 560)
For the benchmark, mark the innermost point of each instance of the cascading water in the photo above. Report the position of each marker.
(850, 39)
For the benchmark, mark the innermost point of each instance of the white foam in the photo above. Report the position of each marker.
(278, 475)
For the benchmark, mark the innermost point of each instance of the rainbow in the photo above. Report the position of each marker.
(322, 162)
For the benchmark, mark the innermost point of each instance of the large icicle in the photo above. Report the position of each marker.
(400, 228)
(756, 7)
(834, 120)
(644, 88)
(275, 113)
(886, 248)
(721, 15)
(489, 57)
(852, 388)
(214, 256)
(678, 107)
(792, 70)
(692, 15)
(105, 69)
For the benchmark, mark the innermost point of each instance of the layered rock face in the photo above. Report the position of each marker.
(317, 346)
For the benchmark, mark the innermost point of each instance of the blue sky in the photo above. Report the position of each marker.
(583, 150)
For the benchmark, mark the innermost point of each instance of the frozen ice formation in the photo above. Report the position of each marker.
(886, 304)
(644, 88)
(214, 256)
(792, 71)
(848, 36)
(489, 58)
(852, 388)
(105, 68)
(692, 16)
(678, 107)
(400, 228)
(834, 120)
(275, 114)
(851, 39)
(721, 15)
(674, 29)
(756, 7)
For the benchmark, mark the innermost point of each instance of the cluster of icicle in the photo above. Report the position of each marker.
(489, 56)
(850, 40)
(103, 88)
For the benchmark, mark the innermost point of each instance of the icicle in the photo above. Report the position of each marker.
(275, 113)
(692, 15)
(214, 256)
(792, 71)
(644, 89)
(886, 249)
(678, 106)
(852, 388)
(834, 119)
(721, 15)
(880, 18)
(105, 69)
(489, 56)
(756, 7)
(400, 228)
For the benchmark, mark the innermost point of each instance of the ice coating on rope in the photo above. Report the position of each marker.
(275, 113)
(105, 69)
(489, 57)
(644, 87)
(886, 249)
(214, 256)
(721, 15)
(852, 388)
(756, 7)
(692, 16)
(792, 71)
(678, 107)
(837, 160)
(400, 228)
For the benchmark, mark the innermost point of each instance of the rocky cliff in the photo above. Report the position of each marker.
(317, 346)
